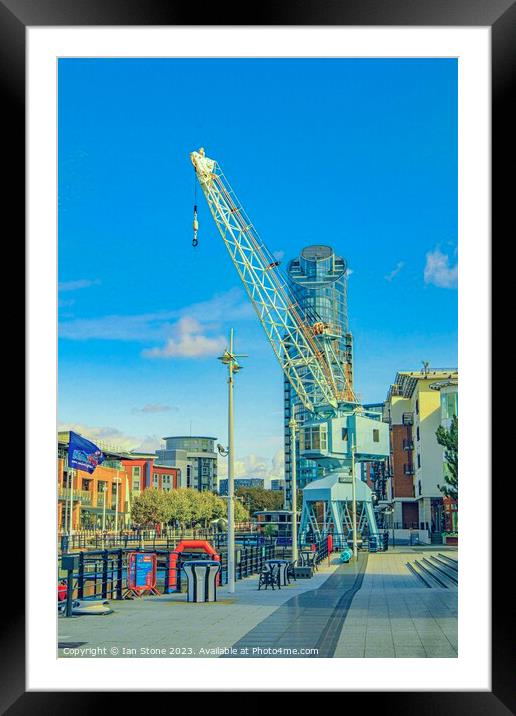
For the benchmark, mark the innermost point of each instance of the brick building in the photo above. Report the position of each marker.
(413, 412)
(94, 496)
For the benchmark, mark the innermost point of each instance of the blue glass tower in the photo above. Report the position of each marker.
(318, 280)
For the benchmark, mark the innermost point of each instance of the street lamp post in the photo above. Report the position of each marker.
(70, 529)
(103, 508)
(354, 498)
(117, 480)
(230, 359)
(293, 427)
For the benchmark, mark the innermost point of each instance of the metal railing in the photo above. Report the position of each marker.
(167, 539)
(102, 574)
(83, 496)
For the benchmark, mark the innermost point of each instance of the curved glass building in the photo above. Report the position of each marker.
(318, 279)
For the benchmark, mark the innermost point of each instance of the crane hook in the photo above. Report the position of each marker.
(195, 227)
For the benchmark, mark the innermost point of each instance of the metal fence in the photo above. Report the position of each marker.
(138, 539)
(102, 574)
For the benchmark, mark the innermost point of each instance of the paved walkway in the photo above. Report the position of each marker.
(170, 624)
(394, 616)
(376, 608)
(308, 624)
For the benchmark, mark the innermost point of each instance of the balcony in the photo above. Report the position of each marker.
(78, 495)
(408, 470)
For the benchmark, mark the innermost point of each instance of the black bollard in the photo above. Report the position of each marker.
(69, 563)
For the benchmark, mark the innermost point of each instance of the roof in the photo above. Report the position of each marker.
(189, 437)
(329, 488)
(443, 384)
(272, 512)
(406, 381)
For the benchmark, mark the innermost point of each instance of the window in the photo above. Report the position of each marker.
(418, 460)
(419, 487)
(450, 405)
(344, 433)
(376, 435)
(417, 407)
(155, 480)
(314, 438)
(417, 432)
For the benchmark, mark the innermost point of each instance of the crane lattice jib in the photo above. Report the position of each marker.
(291, 338)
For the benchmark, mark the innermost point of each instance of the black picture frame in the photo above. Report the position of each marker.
(500, 16)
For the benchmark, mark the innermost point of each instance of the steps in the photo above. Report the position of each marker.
(435, 571)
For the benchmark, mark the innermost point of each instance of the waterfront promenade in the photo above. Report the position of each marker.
(375, 608)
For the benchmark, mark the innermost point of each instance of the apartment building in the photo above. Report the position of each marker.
(413, 411)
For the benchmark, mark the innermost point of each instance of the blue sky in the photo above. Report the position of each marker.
(357, 154)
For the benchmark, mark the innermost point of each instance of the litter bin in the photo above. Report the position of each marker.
(373, 543)
(202, 579)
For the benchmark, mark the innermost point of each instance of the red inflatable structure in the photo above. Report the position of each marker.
(189, 545)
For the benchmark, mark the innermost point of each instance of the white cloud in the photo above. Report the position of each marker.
(278, 255)
(348, 272)
(438, 271)
(154, 408)
(230, 305)
(255, 466)
(157, 326)
(80, 283)
(188, 341)
(113, 438)
(144, 327)
(395, 271)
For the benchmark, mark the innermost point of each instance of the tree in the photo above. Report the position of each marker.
(257, 498)
(185, 506)
(181, 506)
(449, 439)
(241, 513)
(149, 507)
(270, 530)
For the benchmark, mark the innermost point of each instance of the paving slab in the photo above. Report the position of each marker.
(181, 629)
(373, 609)
(394, 613)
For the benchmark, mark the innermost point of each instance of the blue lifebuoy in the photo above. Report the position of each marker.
(346, 555)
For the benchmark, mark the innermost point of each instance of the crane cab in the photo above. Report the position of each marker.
(330, 441)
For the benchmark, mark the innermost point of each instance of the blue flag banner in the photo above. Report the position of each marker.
(83, 454)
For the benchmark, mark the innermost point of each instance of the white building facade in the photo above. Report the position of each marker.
(196, 458)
